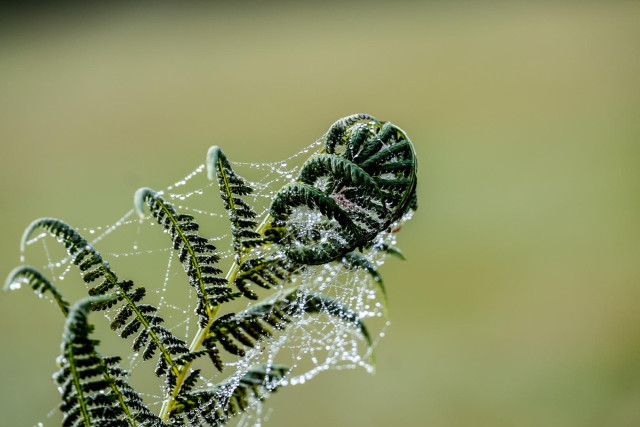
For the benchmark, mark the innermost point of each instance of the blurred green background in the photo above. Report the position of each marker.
(518, 305)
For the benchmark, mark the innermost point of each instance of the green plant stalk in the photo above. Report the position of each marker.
(115, 389)
(78, 386)
(198, 339)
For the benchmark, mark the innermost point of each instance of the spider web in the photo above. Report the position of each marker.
(310, 344)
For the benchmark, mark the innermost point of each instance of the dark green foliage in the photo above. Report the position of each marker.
(151, 336)
(353, 260)
(231, 187)
(214, 406)
(339, 170)
(343, 199)
(264, 272)
(197, 255)
(82, 253)
(38, 282)
(237, 332)
(94, 389)
(365, 181)
(324, 242)
(338, 131)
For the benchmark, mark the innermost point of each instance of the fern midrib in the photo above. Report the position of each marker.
(227, 189)
(192, 253)
(169, 402)
(111, 381)
(143, 321)
(78, 386)
(119, 395)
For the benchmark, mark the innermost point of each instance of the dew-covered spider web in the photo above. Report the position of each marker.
(139, 250)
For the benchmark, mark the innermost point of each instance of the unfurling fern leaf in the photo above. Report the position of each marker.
(364, 181)
(232, 186)
(337, 133)
(94, 391)
(214, 406)
(344, 198)
(325, 241)
(197, 255)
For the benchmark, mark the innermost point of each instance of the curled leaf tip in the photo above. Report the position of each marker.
(139, 199)
(212, 158)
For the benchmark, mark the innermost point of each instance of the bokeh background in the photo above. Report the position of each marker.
(519, 302)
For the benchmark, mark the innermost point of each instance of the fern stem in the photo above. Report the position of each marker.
(198, 339)
(78, 386)
(130, 419)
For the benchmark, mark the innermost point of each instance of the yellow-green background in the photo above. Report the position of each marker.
(519, 302)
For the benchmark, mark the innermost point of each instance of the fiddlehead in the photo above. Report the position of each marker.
(363, 182)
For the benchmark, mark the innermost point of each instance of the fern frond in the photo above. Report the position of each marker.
(353, 260)
(231, 186)
(38, 283)
(264, 272)
(152, 336)
(237, 332)
(94, 391)
(82, 252)
(197, 255)
(216, 405)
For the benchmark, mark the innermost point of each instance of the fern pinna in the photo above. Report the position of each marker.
(360, 185)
